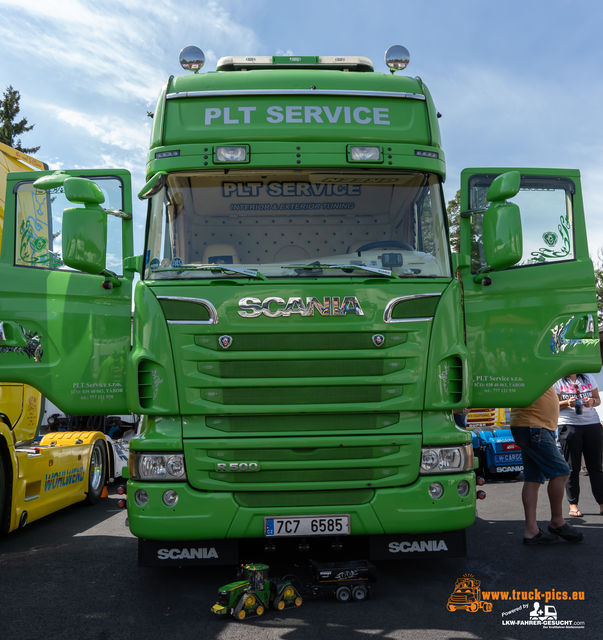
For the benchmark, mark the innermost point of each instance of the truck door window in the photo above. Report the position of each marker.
(546, 219)
(38, 241)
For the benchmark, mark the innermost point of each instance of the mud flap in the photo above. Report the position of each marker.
(447, 544)
(165, 553)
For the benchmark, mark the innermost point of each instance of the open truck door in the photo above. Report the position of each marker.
(65, 326)
(527, 277)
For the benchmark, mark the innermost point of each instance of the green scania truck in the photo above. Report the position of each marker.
(301, 331)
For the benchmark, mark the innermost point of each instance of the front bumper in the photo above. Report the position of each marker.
(200, 515)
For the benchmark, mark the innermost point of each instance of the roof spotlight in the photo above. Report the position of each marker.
(397, 58)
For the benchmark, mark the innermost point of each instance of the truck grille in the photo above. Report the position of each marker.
(291, 370)
(291, 463)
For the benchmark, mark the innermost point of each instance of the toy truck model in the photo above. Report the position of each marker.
(254, 592)
(301, 331)
(345, 580)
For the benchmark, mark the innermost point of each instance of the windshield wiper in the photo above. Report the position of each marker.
(252, 273)
(346, 268)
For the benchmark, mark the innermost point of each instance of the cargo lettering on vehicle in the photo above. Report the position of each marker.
(299, 115)
(63, 478)
(421, 547)
(186, 554)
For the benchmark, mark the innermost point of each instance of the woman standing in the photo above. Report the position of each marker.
(581, 434)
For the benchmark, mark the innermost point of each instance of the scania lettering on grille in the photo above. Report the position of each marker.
(275, 307)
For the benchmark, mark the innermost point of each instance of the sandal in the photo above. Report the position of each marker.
(575, 512)
(567, 532)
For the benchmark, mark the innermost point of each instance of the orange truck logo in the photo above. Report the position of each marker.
(467, 595)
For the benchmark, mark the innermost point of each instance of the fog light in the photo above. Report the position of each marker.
(481, 495)
(436, 490)
(365, 154)
(463, 488)
(170, 498)
(231, 154)
(141, 497)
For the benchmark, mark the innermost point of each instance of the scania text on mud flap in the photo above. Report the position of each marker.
(301, 332)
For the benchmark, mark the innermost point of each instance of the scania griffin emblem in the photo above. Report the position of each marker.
(378, 339)
(225, 341)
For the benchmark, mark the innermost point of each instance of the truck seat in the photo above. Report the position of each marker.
(220, 254)
(291, 253)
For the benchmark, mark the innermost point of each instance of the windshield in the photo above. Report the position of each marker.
(296, 223)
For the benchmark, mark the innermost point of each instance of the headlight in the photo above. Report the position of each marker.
(157, 466)
(446, 459)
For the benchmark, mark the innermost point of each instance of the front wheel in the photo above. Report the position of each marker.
(97, 473)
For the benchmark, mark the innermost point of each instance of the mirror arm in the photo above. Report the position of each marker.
(118, 214)
(481, 278)
(472, 212)
(111, 280)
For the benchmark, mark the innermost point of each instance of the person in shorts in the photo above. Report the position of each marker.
(533, 429)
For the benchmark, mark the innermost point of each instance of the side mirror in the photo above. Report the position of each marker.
(502, 234)
(84, 230)
(153, 186)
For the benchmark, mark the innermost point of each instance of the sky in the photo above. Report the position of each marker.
(519, 83)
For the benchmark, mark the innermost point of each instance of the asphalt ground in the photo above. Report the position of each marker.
(75, 575)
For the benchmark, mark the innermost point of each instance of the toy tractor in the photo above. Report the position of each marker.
(254, 592)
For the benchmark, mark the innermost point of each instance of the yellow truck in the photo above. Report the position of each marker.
(39, 474)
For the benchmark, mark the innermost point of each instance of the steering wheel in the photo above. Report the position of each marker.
(384, 244)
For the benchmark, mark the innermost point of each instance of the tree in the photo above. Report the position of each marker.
(9, 127)
(599, 282)
(454, 221)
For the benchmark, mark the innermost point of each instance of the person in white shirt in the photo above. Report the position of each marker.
(581, 434)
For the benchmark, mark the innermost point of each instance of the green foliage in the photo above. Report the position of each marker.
(454, 222)
(599, 282)
(10, 128)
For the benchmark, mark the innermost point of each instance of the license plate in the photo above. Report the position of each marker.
(507, 457)
(307, 526)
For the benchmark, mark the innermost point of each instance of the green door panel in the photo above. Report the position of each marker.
(64, 333)
(537, 321)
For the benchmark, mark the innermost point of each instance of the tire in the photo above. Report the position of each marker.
(97, 473)
(359, 593)
(343, 594)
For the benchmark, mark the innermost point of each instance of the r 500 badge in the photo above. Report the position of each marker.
(238, 466)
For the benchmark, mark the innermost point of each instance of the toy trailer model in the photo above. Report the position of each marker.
(254, 592)
(301, 331)
(345, 580)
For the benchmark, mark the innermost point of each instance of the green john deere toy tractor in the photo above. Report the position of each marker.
(253, 592)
